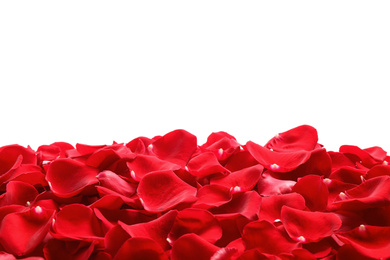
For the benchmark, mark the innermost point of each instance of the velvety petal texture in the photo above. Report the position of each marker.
(68, 177)
(160, 191)
(167, 197)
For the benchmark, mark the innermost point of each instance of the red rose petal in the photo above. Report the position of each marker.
(18, 193)
(374, 192)
(139, 248)
(212, 196)
(68, 177)
(197, 221)
(365, 157)
(378, 170)
(277, 161)
(64, 250)
(303, 137)
(21, 232)
(176, 147)
(348, 175)
(114, 239)
(192, 247)
(271, 207)
(156, 230)
(244, 179)
(240, 160)
(160, 191)
(221, 144)
(114, 182)
(247, 204)
(267, 238)
(268, 185)
(370, 241)
(314, 190)
(78, 222)
(306, 226)
(206, 164)
(144, 164)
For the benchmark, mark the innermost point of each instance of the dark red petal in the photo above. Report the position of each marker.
(306, 226)
(212, 196)
(160, 191)
(114, 239)
(374, 192)
(348, 175)
(197, 221)
(18, 193)
(244, 179)
(232, 227)
(114, 182)
(68, 177)
(378, 170)
(267, 238)
(349, 252)
(247, 204)
(268, 185)
(271, 207)
(370, 241)
(277, 161)
(156, 230)
(176, 147)
(140, 248)
(303, 137)
(64, 250)
(340, 160)
(205, 164)
(21, 232)
(240, 160)
(144, 164)
(377, 153)
(314, 190)
(192, 247)
(77, 221)
(366, 159)
(110, 202)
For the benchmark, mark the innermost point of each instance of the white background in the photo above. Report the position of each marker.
(97, 71)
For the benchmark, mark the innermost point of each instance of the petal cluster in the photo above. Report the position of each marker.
(168, 197)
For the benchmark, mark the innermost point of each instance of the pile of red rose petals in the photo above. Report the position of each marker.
(170, 198)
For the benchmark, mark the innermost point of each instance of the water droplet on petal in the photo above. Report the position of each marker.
(327, 181)
(132, 174)
(150, 147)
(385, 163)
(169, 240)
(28, 204)
(277, 220)
(186, 168)
(301, 239)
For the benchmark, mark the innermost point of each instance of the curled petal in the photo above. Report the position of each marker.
(156, 230)
(206, 164)
(197, 221)
(271, 206)
(193, 247)
(370, 241)
(79, 222)
(245, 179)
(160, 191)
(267, 238)
(176, 147)
(277, 161)
(22, 232)
(140, 248)
(303, 137)
(306, 226)
(314, 190)
(68, 177)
